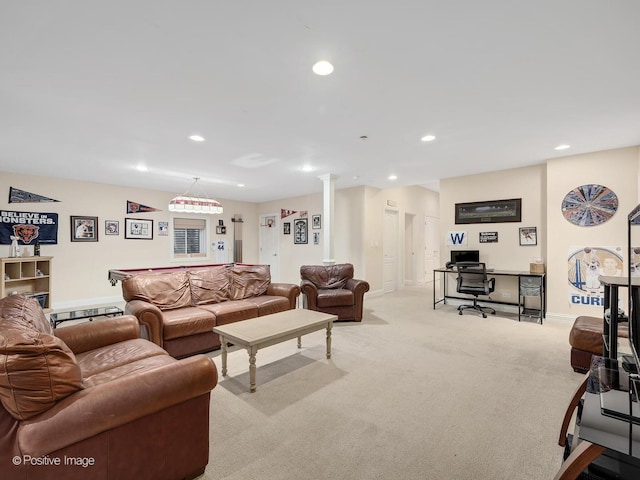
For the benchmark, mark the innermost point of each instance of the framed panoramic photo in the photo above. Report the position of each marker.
(495, 211)
(300, 231)
(84, 229)
(111, 227)
(528, 236)
(138, 229)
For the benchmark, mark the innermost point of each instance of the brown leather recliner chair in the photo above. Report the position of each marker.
(332, 289)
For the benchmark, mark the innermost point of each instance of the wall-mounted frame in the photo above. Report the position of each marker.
(286, 228)
(316, 238)
(496, 211)
(528, 236)
(221, 230)
(163, 229)
(300, 231)
(111, 227)
(138, 229)
(316, 222)
(84, 229)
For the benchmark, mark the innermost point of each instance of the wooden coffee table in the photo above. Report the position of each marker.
(261, 332)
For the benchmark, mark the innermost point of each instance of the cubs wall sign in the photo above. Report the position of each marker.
(29, 227)
(584, 266)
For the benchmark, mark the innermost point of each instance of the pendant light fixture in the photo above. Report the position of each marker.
(192, 202)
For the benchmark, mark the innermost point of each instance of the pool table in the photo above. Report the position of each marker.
(119, 274)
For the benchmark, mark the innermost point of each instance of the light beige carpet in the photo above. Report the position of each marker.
(409, 393)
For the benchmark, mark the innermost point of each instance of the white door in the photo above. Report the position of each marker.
(269, 244)
(431, 247)
(390, 251)
(409, 250)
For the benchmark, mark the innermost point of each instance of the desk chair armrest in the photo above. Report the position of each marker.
(491, 285)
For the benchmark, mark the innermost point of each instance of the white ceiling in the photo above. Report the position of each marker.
(90, 89)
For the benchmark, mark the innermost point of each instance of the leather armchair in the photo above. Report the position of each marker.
(97, 392)
(332, 289)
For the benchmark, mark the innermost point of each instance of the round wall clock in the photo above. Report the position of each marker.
(589, 205)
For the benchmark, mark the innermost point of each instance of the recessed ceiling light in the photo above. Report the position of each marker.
(196, 138)
(322, 68)
(142, 168)
(428, 138)
(241, 185)
(564, 146)
(393, 177)
(308, 168)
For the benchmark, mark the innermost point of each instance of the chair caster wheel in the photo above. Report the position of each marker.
(459, 312)
(484, 315)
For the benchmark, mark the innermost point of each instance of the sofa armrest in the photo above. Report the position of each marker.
(91, 335)
(289, 290)
(310, 292)
(150, 317)
(97, 409)
(358, 287)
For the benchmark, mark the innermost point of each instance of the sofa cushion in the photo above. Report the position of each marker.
(112, 356)
(36, 370)
(166, 291)
(249, 280)
(327, 277)
(336, 297)
(235, 311)
(26, 311)
(187, 321)
(142, 365)
(210, 285)
(268, 304)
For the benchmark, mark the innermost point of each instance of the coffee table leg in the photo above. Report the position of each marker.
(329, 326)
(252, 368)
(223, 342)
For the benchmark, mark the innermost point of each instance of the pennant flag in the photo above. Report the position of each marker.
(286, 213)
(20, 196)
(29, 227)
(303, 213)
(133, 207)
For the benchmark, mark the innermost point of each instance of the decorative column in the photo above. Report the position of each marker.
(328, 213)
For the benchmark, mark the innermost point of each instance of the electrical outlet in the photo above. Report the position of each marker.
(506, 295)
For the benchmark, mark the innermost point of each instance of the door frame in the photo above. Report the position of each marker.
(262, 221)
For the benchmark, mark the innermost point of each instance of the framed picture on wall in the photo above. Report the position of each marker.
(316, 222)
(495, 211)
(528, 236)
(138, 229)
(111, 227)
(300, 231)
(84, 229)
(286, 228)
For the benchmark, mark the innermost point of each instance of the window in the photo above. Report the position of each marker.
(189, 237)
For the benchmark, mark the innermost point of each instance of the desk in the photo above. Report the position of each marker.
(522, 277)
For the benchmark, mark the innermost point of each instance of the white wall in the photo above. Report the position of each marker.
(617, 169)
(80, 270)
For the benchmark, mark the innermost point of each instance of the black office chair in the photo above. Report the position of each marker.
(472, 279)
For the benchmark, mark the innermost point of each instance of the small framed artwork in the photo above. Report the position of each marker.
(138, 229)
(316, 238)
(528, 236)
(300, 231)
(286, 227)
(316, 222)
(84, 229)
(111, 227)
(221, 230)
(163, 229)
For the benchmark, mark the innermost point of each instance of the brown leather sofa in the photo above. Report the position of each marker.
(179, 309)
(96, 401)
(585, 339)
(332, 289)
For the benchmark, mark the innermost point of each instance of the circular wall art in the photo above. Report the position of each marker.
(589, 205)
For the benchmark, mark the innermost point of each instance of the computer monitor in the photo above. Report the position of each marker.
(465, 256)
